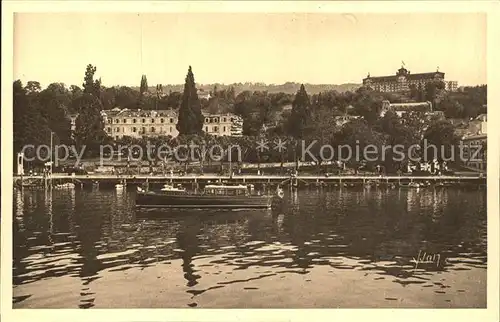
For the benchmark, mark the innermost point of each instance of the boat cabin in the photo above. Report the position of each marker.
(222, 190)
(170, 189)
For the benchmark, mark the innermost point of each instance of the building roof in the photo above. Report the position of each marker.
(408, 76)
(425, 76)
(139, 113)
(206, 114)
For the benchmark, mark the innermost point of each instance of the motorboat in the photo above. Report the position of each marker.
(212, 196)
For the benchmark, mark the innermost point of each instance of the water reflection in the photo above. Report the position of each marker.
(83, 234)
(187, 241)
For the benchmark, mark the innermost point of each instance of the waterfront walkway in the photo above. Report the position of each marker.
(138, 178)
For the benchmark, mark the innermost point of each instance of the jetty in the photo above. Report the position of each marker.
(202, 179)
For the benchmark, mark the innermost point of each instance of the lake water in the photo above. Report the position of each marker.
(327, 248)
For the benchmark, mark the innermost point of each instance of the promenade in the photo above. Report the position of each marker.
(254, 179)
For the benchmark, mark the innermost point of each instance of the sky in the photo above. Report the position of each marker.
(316, 48)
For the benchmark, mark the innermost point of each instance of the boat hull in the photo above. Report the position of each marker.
(157, 200)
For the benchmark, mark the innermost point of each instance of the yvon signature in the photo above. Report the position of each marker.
(424, 258)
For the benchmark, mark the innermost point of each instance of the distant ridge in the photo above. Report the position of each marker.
(288, 88)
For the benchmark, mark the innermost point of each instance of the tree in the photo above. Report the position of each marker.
(172, 100)
(264, 109)
(144, 84)
(29, 127)
(441, 135)
(451, 108)
(433, 91)
(367, 104)
(190, 117)
(126, 97)
(213, 105)
(89, 131)
(33, 87)
(142, 90)
(89, 85)
(398, 132)
(300, 114)
(321, 129)
(159, 94)
(358, 135)
(53, 105)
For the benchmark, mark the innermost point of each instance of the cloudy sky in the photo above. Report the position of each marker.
(315, 48)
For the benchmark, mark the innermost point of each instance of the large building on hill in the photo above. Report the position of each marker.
(403, 80)
(149, 123)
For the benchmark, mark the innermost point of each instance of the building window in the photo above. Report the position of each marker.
(117, 121)
(206, 128)
(170, 129)
(117, 129)
(143, 120)
(109, 130)
(171, 120)
(134, 129)
(110, 121)
(223, 129)
(152, 129)
(162, 120)
(143, 130)
(124, 121)
(207, 120)
(134, 121)
(216, 128)
(224, 119)
(152, 120)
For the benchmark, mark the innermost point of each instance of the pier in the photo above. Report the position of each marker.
(285, 180)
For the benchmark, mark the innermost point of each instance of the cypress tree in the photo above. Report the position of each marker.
(143, 89)
(300, 114)
(89, 85)
(144, 84)
(190, 117)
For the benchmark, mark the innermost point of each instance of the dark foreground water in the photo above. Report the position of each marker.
(323, 248)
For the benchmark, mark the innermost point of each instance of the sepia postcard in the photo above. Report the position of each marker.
(165, 161)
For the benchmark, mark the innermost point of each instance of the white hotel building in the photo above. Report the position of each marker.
(142, 123)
